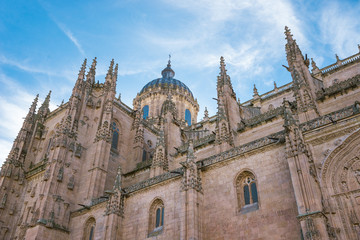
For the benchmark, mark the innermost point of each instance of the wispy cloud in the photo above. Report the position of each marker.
(24, 66)
(70, 35)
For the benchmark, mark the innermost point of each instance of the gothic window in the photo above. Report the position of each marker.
(188, 117)
(156, 217)
(115, 137)
(246, 191)
(145, 111)
(144, 155)
(89, 231)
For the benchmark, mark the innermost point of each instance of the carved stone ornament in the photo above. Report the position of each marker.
(191, 178)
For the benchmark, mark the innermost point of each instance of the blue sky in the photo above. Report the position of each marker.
(43, 44)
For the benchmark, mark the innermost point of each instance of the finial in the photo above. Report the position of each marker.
(359, 47)
(206, 114)
(34, 103)
(238, 100)
(111, 67)
(315, 68)
(93, 65)
(275, 87)
(222, 66)
(168, 72)
(116, 69)
(256, 94)
(288, 33)
(119, 98)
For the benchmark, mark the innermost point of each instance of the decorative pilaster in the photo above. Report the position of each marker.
(304, 178)
(191, 198)
(160, 162)
(115, 210)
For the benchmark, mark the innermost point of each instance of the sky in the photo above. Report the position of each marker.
(43, 44)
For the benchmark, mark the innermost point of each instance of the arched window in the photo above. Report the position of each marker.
(144, 155)
(115, 137)
(89, 231)
(246, 191)
(156, 217)
(188, 117)
(145, 111)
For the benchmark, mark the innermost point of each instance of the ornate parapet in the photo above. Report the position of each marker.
(37, 168)
(248, 147)
(339, 64)
(197, 143)
(340, 87)
(152, 181)
(331, 117)
(264, 117)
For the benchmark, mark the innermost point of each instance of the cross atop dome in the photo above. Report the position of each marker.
(168, 72)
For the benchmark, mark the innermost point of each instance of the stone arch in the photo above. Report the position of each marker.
(246, 189)
(89, 228)
(156, 217)
(340, 185)
(116, 134)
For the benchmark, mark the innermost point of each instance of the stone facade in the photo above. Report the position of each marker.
(283, 165)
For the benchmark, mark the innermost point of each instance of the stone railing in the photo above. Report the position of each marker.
(331, 117)
(155, 180)
(339, 87)
(236, 151)
(197, 143)
(38, 167)
(340, 63)
(262, 142)
(267, 116)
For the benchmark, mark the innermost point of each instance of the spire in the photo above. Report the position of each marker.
(288, 34)
(222, 66)
(32, 108)
(90, 77)
(82, 71)
(110, 71)
(44, 109)
(293, 52)
(168, 72)
(224, 79)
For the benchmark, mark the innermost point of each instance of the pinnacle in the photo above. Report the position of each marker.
(288, 33)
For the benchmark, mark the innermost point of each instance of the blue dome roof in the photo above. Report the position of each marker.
(167, 79)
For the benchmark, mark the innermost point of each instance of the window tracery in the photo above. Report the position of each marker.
(246, 191)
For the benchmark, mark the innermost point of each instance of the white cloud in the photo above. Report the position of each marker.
(14, 107)
(339, 28)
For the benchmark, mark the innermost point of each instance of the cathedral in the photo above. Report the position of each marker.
(282, 165)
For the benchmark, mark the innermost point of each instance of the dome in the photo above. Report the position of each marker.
(167, 80)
